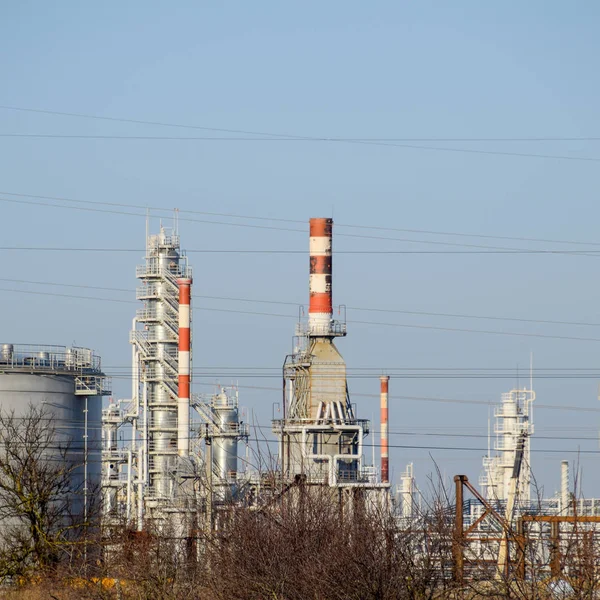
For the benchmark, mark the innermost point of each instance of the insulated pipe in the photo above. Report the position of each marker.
(385, 461)
(183, 400)
(320, 309)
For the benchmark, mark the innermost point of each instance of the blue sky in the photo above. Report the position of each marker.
(337, 69)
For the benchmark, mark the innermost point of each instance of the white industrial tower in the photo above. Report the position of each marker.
(513, 422)
(164, 469)
(158, 414)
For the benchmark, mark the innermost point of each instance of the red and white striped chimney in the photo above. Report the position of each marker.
(183, 400)
(321, 305)
(385, 461)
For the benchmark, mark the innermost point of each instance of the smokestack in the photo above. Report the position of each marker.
(183, 400)
(564, 486)
(320, 310)
(385, 461)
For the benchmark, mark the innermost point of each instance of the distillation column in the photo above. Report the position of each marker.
(157, 347)
(513, 423)
(222, 430)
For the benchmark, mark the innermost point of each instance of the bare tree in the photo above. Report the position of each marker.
(41, 521)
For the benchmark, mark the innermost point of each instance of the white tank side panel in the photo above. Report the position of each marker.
(19, 391)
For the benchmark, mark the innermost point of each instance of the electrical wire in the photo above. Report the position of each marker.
(289, 303)
(242, 131)
(354, 322)
(302, 222)
(287, 137)
(490, 249)
(42, 136)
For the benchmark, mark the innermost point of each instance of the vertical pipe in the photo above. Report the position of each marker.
(564, 486)
(183, 400)
(521, 556)
(128, 505)
(457, 542)
(85, 484)
(145, 446)
(385, 461)
(320, 309)
(555, 548)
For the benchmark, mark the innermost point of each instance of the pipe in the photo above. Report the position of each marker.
(458, 558)
(332, 459)
(140, 506)
(183, 400)
(135, 387)
(385, 461)
(320, 309)
(564, 486)
(128, 508)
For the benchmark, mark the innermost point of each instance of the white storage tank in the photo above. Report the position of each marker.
(68, 384)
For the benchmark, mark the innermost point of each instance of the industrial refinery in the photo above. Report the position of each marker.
(171, 459)
(182, 457)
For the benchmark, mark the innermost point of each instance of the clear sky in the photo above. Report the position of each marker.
(400, 70)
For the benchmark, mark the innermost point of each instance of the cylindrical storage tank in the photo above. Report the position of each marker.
(6, 352)
(75, 419)
(225, 459)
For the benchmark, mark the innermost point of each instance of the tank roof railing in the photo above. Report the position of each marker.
(40, 357)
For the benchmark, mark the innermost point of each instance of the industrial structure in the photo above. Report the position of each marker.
(182, 464)
(181, 460)
(183, 455)
(67, 384)
(513, 425)
(320, 437)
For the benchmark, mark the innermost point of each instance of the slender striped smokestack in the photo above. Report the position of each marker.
(321, 306)
(385, 461)
(183, 400)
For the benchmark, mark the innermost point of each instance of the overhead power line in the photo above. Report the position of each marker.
(313, 140)
(355, 322)
(302, 222)
(289, 303)
(299, 252)
(489, 249)
(480, 249)
(298, 137)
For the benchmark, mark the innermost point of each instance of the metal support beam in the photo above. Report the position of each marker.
(458, 538)
(521, 549)
(555, 548)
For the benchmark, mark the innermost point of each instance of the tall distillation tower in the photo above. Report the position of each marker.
(320, 437)
(513, 422)
(161, 365)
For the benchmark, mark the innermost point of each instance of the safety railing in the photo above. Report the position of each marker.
(39, 357)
